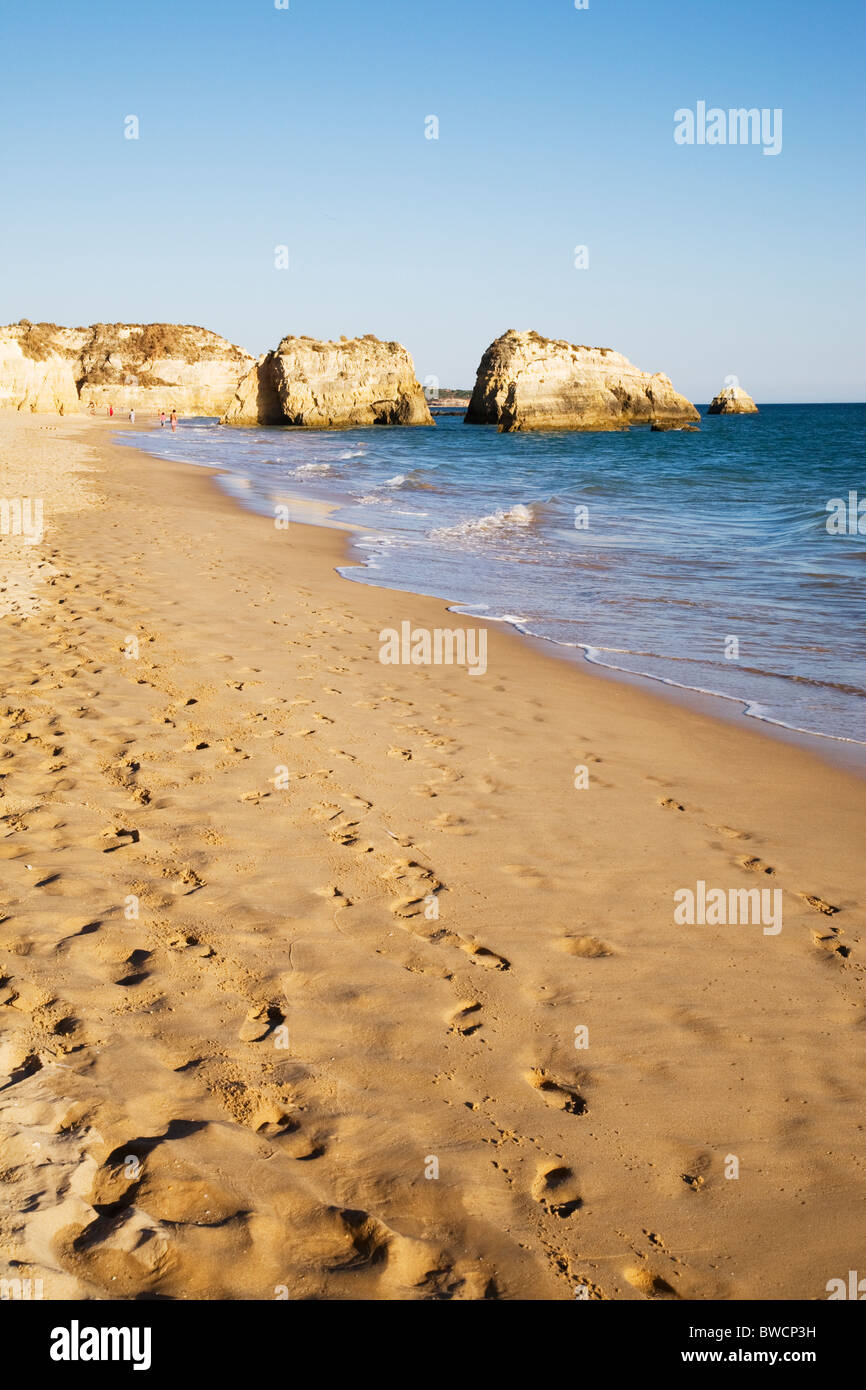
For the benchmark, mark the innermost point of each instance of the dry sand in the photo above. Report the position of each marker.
(241, 1091)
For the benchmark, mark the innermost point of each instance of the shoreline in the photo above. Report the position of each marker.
(847, 754)
(383, 957)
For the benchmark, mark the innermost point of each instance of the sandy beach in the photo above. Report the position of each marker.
(322, 979)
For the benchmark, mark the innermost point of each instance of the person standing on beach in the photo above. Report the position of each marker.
(132, 417)
(110, 411)
(174, 419)
(162, 417)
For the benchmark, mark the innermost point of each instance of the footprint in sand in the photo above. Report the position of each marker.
(446, 774)
(491, 786)
(187, 941)
(669, 804)
(482, 955)
(25, 996)
(464, 1020)
(345, 833)
(17, 1062)
(829, 943)
(332, 892)
(259, 1022)
(12, 852)
(556, 1093)
(757, 866)
(555, 1188)
(588, 947)
(695, 1178)
(136, 978)
(650, 1284)
(453, 824)
(733, 834)
(819, 904)
(417, 882)
(65, 886)
(405, 840)
(136, 960)
(267, 1110)
(302, 1147)
(409, 907)
(400, 1263)
(116, 837)
(525, 874)
(185, 882)
(77, 926)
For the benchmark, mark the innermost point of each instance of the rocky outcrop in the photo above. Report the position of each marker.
(361, 381)
(153, 366)
(732, 401)
(162, 366)
(255, 401)
(35, 373)
(526, 382)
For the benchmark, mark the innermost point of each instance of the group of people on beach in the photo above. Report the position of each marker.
(163, 418)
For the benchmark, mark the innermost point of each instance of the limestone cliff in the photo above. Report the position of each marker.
(361, 381)
(732, 401)
(154, 366)
(527, 382)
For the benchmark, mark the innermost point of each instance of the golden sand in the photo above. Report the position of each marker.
(296, 948)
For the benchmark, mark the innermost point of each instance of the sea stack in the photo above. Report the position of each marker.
(732, 401)
(526, 382)
(141, 366)
(319, 385)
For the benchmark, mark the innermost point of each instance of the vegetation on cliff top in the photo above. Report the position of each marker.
(142, 342)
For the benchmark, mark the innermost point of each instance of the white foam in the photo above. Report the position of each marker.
(517, 516)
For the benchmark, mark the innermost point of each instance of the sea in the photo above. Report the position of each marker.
(730, 561)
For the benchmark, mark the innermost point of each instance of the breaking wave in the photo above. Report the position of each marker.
(517, 518)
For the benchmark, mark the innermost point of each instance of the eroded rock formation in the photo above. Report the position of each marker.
(361, 381)
(526, 382)
(732, 401)
(153, 366)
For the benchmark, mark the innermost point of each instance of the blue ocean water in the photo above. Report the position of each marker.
(703, 560)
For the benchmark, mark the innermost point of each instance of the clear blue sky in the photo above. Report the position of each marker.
(305, 127)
